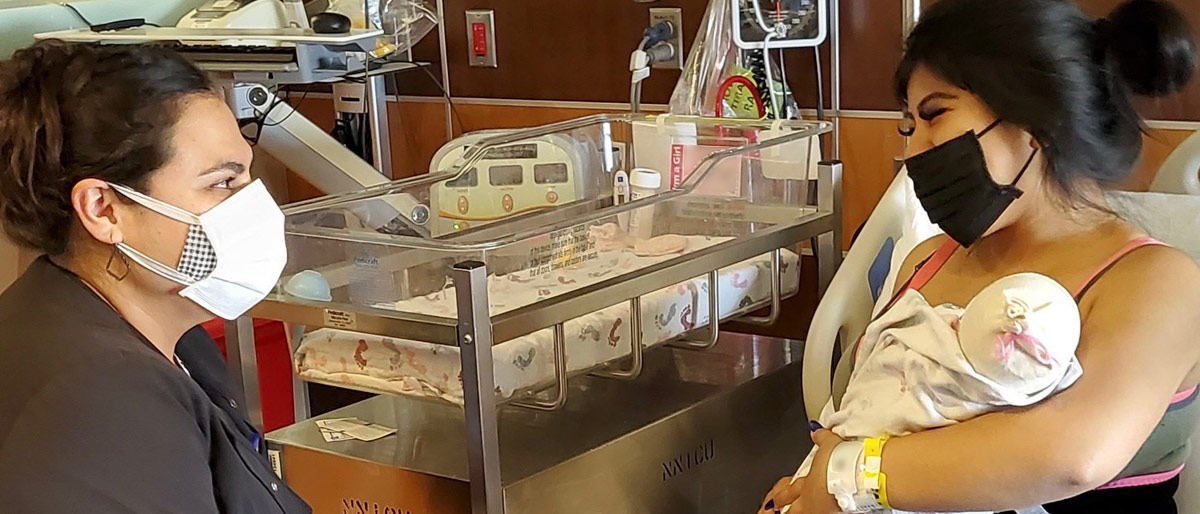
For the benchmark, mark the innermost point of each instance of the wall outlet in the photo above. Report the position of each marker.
(675, 16)
(481, 38)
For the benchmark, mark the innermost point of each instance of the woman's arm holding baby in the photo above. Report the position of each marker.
(1139, 343)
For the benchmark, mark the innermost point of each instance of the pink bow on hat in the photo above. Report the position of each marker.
(1016, 335)
(1008, 341)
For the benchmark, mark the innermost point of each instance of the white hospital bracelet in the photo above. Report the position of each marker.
(842, 474)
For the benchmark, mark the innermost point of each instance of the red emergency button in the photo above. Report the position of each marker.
(479, 39)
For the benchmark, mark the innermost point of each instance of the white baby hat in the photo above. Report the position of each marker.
(1021, 332)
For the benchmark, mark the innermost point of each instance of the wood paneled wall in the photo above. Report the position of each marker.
(579, 51)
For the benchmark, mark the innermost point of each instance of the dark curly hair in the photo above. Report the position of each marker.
(74, 111)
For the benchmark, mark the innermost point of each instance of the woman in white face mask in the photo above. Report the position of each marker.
(124, 167)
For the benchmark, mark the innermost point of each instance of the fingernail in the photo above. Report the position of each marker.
(770, 505)
(813, 426)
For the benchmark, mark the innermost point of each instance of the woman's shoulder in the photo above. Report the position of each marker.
(1152, 274)
(98, 387)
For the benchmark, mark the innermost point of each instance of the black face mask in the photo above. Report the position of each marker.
(953, 184)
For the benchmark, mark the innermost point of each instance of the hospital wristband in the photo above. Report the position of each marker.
(843, 479)
(873, 478)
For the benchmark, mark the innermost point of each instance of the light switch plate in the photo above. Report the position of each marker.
(481, 19)
(675, 16)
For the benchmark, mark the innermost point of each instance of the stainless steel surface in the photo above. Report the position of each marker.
(673, 15)
(829, 197)
(776, 293)
(485, 18)
(700, 432)
(560, 376)
(381, 148)
(714, 316)
(369, 320)
(479, 385)
(239, 346)
(636, 349)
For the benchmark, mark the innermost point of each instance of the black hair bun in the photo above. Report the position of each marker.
(1150, 46)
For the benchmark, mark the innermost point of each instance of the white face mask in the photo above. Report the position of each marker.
(234, 253)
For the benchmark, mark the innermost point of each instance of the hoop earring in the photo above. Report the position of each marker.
(117, 272)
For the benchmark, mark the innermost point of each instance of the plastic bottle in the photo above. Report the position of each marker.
(643, 183)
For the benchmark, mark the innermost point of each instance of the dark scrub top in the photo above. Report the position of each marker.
(94, 419)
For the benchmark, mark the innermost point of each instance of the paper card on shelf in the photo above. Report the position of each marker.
(354, 428)
(326, 423)
(333, 437)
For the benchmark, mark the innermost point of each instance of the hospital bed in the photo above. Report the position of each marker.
(517, 350)
(1170, 213)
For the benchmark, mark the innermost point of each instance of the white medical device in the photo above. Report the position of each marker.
(507, 180)
(759, 24)
(244, 14)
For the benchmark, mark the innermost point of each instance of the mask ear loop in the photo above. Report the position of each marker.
(989, 128)
(154, 266)
(1012, 186)
(157, 205)
(164, 209)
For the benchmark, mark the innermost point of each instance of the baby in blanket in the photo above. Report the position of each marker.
(920, 367)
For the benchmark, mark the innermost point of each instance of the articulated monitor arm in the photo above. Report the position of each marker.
(321, 160)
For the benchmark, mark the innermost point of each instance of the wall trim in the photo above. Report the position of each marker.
(618, 106)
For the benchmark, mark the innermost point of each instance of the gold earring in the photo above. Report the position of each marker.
(117, 272)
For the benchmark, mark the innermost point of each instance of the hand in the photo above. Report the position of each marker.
(808, 495)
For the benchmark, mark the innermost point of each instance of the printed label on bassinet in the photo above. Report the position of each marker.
(567, 247)
(340, 319)
(371, 281)
(730, 210)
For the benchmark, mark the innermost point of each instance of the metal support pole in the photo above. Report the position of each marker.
(381, 148)
(909, 18)
(239, 346)
(835, 75)
(441, 12)
(829, 199)
(776, 295)
(635, 344)
(560, 376)
(479, 387)
(301, 405)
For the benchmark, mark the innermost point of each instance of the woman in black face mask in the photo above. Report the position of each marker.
(1023, 118)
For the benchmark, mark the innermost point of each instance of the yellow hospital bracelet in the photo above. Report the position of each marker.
(873, 477)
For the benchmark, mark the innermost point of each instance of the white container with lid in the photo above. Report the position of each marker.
(643, 183)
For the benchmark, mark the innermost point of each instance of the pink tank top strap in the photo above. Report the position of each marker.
(925, 270)
(1112, 261)
(939, 258)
